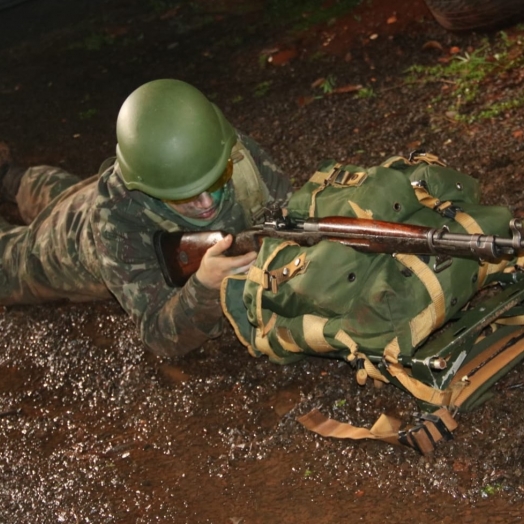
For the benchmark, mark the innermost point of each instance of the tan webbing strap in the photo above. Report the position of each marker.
(271, 280)
(517, 320)
(345, 339)
(256, 275)
(352, 178)
(286, 340)
(418, 158)
(488, 363)
(473, 228)
(490, 268)
(423, 437)
(262, 344)
(415, 387)
(428, 200)
(422, 325)
(432, 284)
(422, 391)
(261, 288)
(320, 178)
(359, 212)
(270, 324)
(469, 224)
(392, 351)
(296, 267)
(390, 161)
(313, 205)
(385, 428)
(336, 177)
(433, 428)
(425, 198)
(339, 177)
(428, 158)
(370, 370)
(313, 329)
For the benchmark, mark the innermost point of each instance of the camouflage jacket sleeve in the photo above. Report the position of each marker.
(171, 321)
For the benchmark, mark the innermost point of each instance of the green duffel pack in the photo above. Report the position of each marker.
(373, 310)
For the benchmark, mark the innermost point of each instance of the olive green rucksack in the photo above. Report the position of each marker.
(377, 310)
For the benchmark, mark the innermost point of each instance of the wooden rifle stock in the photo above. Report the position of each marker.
(180, 253)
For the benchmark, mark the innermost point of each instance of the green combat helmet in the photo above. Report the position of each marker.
(173, 143)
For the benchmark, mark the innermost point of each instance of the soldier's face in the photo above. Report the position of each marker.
(203, 207)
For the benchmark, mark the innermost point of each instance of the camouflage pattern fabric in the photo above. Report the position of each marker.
(90, 239)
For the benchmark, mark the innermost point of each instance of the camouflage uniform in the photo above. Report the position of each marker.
(88, 240)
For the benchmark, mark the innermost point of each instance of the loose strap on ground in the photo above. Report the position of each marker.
(430, 429)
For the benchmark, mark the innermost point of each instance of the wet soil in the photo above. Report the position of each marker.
(92, 427)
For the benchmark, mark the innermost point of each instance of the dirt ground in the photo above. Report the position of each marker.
(92, 427)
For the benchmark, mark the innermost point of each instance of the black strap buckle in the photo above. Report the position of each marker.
(410, 437)
(338, 176)
(438, 423)
(414, 155)
(450, 211)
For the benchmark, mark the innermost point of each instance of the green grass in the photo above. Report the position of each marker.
(301, 14)
(465, 78)
(94, 42)
(328, 84)
(366, 92)
(491, 489)
(88, 114)
(262, 89)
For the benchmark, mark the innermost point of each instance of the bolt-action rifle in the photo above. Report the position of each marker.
(180, 253)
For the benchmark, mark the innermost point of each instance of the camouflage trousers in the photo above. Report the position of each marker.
(32, 269)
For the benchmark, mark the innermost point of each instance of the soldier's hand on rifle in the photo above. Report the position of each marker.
(215, 266)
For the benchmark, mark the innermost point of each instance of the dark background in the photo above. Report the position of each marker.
(94, 429)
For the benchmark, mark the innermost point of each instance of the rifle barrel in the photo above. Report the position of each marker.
(390, 237)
